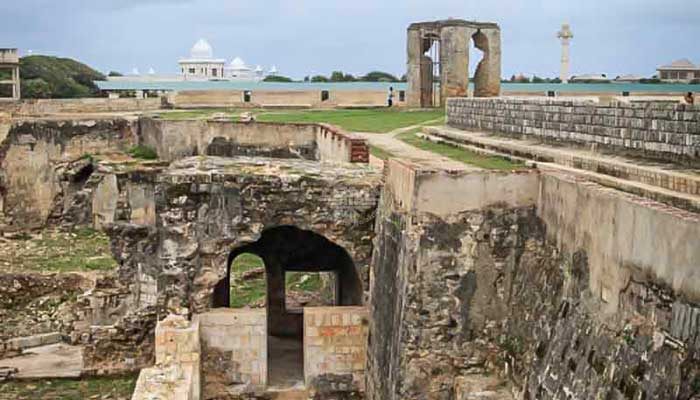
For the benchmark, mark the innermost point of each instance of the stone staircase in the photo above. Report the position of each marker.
(661, 182)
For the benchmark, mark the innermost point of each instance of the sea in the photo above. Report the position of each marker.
(505, 87)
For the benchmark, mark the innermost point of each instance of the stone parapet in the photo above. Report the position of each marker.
(662, 131)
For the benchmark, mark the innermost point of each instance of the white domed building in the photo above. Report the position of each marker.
(201, 65)
(239, 71)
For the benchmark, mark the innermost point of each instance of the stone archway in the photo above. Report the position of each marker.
(287, 248)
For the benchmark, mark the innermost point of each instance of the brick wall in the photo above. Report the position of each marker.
(335, 346)
(235, 348)
(663, 131)
(176, 374)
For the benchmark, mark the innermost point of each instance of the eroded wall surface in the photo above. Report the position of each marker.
(512, 291)
(37, 157)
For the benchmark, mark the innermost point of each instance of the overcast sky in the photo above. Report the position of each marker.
(304, 37)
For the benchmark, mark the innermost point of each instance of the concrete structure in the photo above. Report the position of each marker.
(679, 71)
(565, 35)
(9, 61)
(201, 65)
(450, 40)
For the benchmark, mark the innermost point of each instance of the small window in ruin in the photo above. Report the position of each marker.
(309, 289)
(248, 282)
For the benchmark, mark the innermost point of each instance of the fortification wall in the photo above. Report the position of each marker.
(36, 107)
(177, 139)
(506, 295)
(655, 130)
(260, 98)
(173, 140)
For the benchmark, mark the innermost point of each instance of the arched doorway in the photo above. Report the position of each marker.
(292, 258)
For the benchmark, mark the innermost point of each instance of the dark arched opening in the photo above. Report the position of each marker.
(290, 249)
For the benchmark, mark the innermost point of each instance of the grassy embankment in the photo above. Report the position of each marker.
(457, 153)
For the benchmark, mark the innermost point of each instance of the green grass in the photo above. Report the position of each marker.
(79, 250)
(251, 292)
(117, 387)
(380, 153)
(142, 152)
(374, 120)
(457, 153)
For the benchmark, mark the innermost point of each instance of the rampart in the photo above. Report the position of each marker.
(653, 130)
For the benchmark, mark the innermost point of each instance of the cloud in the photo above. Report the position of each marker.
(301, 36)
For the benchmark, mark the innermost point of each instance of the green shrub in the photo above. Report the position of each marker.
(35, 89)
(143, 152)
(277, 78)
(379, 76)
(58, 78)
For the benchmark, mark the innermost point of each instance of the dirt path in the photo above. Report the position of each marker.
(404, 151)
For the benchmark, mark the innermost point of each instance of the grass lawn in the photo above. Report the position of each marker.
(373, 120)
(458, 154)
(82, 249)
(380, 153)
(251, 292)
(114, 388)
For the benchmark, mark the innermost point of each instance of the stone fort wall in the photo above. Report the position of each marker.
(662, 131)
(579, 289)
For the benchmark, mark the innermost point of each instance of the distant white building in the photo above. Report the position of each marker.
(680, 70)
(239, 71)
(589, 78)
(201, 65)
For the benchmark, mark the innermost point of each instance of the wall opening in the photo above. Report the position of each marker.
(430, 72)
(303, 263)
(481, 70)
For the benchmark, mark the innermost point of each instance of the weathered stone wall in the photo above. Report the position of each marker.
(500, 291)
(656, 130)
(176, 374)
(206, 207)
(35, 107)
(335, 348)
(173, 140)
(37, 160)
(234, 350)
(177, 139)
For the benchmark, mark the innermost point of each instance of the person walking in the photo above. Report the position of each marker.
(689, 98)
(390, 97)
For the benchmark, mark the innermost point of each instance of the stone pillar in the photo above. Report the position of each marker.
(426, 93)
(16, 86)
(454, 61)
(275, 297)
(487, 78)
(565, 35)
(414, 80)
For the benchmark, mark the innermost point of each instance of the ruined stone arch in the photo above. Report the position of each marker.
(455, 37)
(287, 248)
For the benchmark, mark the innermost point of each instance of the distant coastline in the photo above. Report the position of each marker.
(506, 87)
